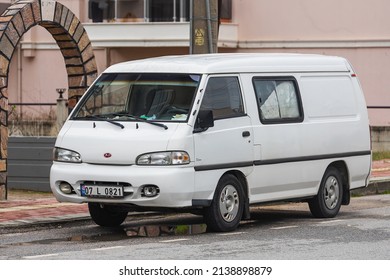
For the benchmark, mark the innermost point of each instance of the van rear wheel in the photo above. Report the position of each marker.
(227, 207)
(106, 215)
(327, 203)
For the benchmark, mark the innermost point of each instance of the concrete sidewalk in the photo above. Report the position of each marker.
(27, 207)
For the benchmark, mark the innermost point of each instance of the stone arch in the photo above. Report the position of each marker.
(72, 40)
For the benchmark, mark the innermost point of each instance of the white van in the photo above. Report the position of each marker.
(214, 134)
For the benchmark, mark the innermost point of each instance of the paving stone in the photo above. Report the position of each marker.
(71, 103)
(63, 37)
(73, 26)
(58, 13)
(48, 25)
(36, 7)
(3, 119)
(91, 78)
(142, 232)
(64, 15)
(12, 34)
(4, 140)
(87, 53)
(74, 61)
(152, 231)
(90, 66)
(3, 177)
(67, 44)
(76, 81)
(84, 41)
(28, 17)
(75, 70)
(68, 53)
(4, 63)
(3, 26)
(78, 33)
(18, 23)
(68, 20)
(3, 192)
(3, 165)
(3, 108)
(131, 232)
(56, 30)
(5, 18)
(3, 83)
(74, 96)
(10, 12)
(26, 1)
(18, 6)
(6, 47)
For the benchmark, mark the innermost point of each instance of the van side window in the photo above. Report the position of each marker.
(223, 97)
(278, 100)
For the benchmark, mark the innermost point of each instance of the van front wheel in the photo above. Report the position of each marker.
(106, 215)
(227, 206)
(327, 203)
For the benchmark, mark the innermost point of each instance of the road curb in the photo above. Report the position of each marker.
(379, 185)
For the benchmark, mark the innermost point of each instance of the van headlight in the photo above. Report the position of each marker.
(164, 158)
(66, 155)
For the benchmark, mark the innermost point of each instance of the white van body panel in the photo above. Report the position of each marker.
(274, 161)
(102, 137)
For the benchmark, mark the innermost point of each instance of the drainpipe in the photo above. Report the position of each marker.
(19, 78)
(210, 37)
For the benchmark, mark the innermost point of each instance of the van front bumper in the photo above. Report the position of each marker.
(175, 183)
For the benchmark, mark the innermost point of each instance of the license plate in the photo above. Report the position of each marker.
(101, 191)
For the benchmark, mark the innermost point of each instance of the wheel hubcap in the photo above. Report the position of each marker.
(331, 192)
(229, 203)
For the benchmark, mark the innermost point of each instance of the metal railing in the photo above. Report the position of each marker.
(378, 107)
(31, 104)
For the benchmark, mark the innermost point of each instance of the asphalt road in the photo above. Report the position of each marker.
(361, 231)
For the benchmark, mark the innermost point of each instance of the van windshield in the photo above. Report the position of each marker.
(129, 96)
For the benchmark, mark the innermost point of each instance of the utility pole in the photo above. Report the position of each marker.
(204, 25)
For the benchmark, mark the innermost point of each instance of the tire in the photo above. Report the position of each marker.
(106, 215)
(227, 207)
(327, 203)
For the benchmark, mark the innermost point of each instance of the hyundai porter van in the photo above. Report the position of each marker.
(214, 134)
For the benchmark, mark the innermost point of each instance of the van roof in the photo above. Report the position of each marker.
(235, 63)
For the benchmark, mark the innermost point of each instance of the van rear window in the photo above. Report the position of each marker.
(278, 100)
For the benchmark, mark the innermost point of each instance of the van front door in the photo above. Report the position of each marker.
(229, 143)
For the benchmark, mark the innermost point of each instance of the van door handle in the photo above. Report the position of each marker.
(246, 134)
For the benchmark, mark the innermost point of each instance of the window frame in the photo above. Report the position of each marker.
(237, 76)
(298, 96)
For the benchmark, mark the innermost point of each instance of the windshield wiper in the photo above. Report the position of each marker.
(140, 119)
(95, 117)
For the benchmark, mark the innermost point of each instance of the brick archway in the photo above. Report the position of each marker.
(72, 40)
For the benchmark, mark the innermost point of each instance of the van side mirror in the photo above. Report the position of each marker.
(204, 120)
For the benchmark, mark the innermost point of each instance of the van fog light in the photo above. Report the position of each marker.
(150, 191)
(66, 188)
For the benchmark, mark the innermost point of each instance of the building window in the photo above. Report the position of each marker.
(148, 10)
(98, 10)
(168, 10)
(225, 12)
(278, 100)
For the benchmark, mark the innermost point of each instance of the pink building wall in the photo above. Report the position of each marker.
(356, 29)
